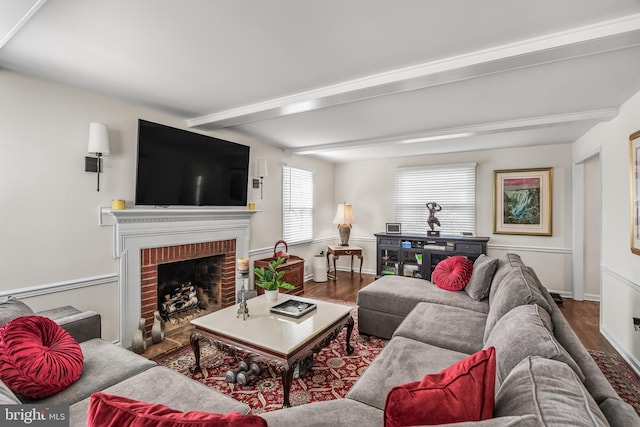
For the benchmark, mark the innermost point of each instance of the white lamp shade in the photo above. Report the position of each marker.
(261, 169)
(98, 139)
(344, 215)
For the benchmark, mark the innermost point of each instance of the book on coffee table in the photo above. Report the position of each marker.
(293, 308)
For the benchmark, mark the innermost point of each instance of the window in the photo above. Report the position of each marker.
(451, 186)
(297, 205)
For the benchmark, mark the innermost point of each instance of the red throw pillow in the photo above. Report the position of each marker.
(107, 410)
(37, 357)
(452, 273)
(462, 392)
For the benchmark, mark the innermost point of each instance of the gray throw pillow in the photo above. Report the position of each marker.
(11, 308)
(479, 284)
(522, 332)
(551, 391)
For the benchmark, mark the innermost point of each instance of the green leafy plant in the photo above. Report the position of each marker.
(270, 279)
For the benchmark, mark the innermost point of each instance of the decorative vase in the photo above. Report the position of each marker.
(139, 341)
(157, 330)
(271, 296)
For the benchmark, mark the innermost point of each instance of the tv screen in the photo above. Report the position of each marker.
(181, 168)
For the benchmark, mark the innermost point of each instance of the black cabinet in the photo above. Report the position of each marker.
(416, 255)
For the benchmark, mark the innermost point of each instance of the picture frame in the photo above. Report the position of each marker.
(394, 228)
(634, 175)
(522, 201)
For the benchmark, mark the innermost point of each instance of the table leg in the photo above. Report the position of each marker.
(352, 264)
(194, 339)
(335, 271)
(328, 265)
(287, 377)
(350, 324)
(361, 261)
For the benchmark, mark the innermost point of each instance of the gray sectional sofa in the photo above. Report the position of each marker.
(115, 370)
(544, 374)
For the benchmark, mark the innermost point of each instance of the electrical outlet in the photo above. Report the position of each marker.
(636, 323)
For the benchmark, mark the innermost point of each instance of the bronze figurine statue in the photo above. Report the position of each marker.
(432, 220)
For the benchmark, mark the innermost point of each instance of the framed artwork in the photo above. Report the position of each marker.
(634, 172)
(522, 201)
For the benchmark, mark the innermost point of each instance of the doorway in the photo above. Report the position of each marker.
(592, 227)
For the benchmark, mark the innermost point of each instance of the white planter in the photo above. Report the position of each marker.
(271, 296)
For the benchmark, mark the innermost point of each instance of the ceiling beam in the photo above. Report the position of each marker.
(465, 131)
(21, 22)
(589, 40)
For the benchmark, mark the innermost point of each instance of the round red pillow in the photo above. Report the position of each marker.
(37, 357)
(453, 273)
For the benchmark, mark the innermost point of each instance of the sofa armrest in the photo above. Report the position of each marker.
(82, 326)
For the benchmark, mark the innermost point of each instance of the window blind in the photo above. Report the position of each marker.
(453, 187)
(297, 205)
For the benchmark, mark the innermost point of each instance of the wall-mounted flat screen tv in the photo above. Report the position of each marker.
(181, 168)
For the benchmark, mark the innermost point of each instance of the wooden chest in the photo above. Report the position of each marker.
(293, 273)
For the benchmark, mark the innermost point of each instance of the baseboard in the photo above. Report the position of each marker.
(630, 359)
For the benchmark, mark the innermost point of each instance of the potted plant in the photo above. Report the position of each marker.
(270, 279)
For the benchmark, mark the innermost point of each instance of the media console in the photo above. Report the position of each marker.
(416, 255)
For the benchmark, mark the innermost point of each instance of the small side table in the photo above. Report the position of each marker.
(337, 251)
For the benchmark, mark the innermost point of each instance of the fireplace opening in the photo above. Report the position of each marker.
(189, 289)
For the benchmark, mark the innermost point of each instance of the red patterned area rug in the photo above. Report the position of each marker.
(623, 379)
(333, 373)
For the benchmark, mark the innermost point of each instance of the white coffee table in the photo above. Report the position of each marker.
(275, 340)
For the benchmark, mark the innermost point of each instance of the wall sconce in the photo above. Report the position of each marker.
(261, 172)
(98, 145)
(344, 219)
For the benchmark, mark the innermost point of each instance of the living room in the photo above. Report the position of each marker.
(58, 247)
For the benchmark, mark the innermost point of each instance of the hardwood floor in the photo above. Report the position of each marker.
(583, 316)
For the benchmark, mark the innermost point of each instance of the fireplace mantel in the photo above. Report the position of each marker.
(139, 228)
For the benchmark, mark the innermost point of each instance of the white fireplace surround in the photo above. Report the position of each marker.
(140, 228)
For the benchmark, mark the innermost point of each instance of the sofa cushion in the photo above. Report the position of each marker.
(106, 410)
(551, 391)
(453, 273)
(401, 361)
(452, 328)
(519, 287)
(334, 413)
(105, 364)
(506, 263)
(37, 357)
(166, 387)
(479, 284)
(12, 308)
(6, 396)
(399, 295)
(526, 331)
(462, 392)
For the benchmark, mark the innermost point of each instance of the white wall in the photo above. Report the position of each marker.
(52, 250)
(620, 269)
(370, 187)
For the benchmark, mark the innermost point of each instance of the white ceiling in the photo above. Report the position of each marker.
(345, 79)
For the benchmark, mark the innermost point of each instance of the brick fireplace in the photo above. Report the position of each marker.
(146, 237)
(152, 257)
